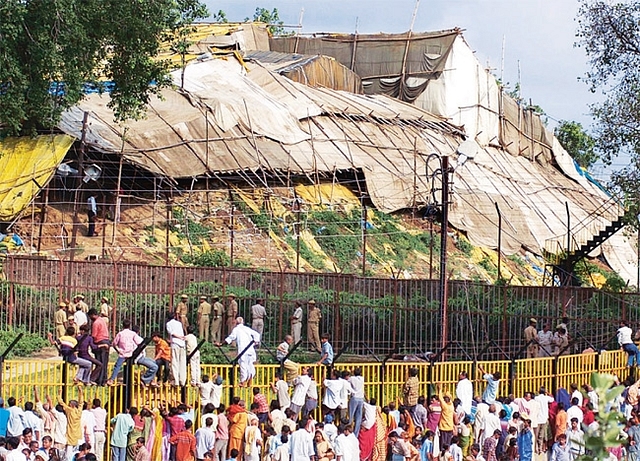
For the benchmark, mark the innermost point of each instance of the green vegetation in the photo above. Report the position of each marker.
(577, 142)
(28, 344)
(463, 245)
(52, 50)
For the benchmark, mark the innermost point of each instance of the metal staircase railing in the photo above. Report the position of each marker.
(587, 235)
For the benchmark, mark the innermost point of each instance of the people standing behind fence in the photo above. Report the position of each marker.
(531, 339)
(258, 315)
(545, 340)
(204, 318)
(178, 350)
(182, 311)
(560, 341)
(296, 323)
(314, 315)
(231, 312)
(326, 351)
(217, 312)
(105, 310)
(60, 319)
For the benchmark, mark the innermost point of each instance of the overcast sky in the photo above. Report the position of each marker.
(540, 34)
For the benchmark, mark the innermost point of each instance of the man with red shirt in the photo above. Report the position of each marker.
(262, 412)
(185, 443)
(100, 335)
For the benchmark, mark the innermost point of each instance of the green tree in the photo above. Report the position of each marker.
(609, 33)
(270, 17)
(577, 142)
(51, 49)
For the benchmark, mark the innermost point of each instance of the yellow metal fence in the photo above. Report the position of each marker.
(383, 382)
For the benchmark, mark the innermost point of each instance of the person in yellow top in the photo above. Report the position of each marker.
(447, 424)
(60, 319)
(73, 411)
(204, 311)
(313, 329)
(182, 311)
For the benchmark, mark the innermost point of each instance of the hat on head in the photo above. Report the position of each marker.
(62, 304)
(231, 295)
(311, 301)
(184, 296)
(524, 417)
(559, 326)
(80, 296)
(532, 320)
(104, 298)
(203, 297)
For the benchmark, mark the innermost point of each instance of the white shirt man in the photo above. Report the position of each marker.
(88, 425)
(332, 393)
(491, 423)
(80, 318)
(543, 401)
(15, 425)
(178, 352)
(347, 447)
(301, 385)
(464, 391)
(574, 411)
(545, 337)
(301, 445)
(205, 439)
(245, 339)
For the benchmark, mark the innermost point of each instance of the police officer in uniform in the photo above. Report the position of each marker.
(204, 312)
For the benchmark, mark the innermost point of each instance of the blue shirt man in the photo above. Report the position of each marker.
(326, 357)
(491, 391)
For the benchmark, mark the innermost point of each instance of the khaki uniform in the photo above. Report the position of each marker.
(530, 333)
(258, 313)
(182, 310)
(105, 312)
(204, 311)
(216, 322)
(232, 313)
(84, 307)
(313, 327)
(60, 320)
(296, 325)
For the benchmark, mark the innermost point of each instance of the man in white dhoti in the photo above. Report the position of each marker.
(244, 337)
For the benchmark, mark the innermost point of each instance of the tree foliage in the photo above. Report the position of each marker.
(51, 49)
(272, 18)
(609, 33)
(577, 142)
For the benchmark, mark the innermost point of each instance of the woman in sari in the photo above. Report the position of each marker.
(380, 446)
(138, 430)
(367, 434)
(464, 434)
(324, 452)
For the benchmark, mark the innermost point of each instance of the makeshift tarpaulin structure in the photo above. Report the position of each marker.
(229, 121)
(26, 166)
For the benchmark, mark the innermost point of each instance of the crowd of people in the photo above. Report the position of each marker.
(83, 339)
(300, 419)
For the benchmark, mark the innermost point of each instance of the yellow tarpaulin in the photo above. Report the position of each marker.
(27, 165)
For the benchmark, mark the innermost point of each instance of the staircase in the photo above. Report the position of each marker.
(562, 252)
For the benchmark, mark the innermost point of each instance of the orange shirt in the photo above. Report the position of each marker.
(99, 330)
(162, 350)
(185, 444)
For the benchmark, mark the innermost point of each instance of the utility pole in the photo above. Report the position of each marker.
(364, 239)
(499, 239)
(444, 292)
(233, 212)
